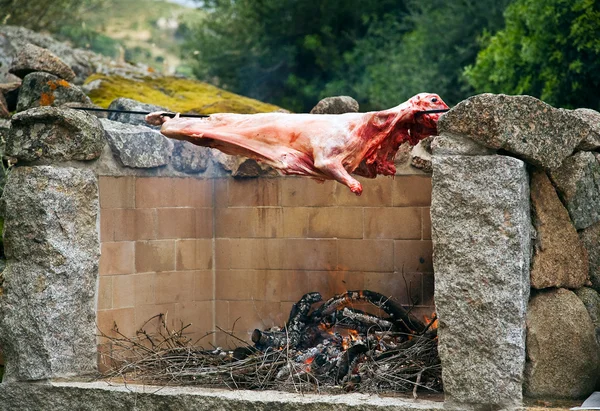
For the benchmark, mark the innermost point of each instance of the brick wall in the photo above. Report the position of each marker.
(220, 252)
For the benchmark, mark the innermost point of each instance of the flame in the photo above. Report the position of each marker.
(309, 360)
(353, 335)
(429, 319)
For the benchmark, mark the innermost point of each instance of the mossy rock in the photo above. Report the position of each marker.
(177, 94)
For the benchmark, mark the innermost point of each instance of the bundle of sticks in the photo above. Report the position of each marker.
(328, 347)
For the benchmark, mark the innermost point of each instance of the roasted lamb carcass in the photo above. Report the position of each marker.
(321, 146)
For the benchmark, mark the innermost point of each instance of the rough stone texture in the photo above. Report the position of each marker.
(559, 259)
(47, 303)
(56, 134)
(591, 117)
(44, 89)
(336, 105)
(591, 299)
(137, 146)
(578, 184)
(241, 166)
(562, 352)
(129, 104)
(420, 155)
(65, 396)
(590, 237)
(480, 220)
(33, 58)
(447, 144)
(189, 158)
(522, 125)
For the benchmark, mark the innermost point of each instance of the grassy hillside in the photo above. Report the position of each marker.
(144, 31)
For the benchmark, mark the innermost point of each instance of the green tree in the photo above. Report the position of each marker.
(390, 65)
(48, 15)
(282, 51)
(549, 49)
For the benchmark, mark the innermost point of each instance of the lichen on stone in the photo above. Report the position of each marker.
(177, 94)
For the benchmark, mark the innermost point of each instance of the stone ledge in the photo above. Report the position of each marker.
(99, 395)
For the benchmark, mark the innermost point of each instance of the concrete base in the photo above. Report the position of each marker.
(84, 396)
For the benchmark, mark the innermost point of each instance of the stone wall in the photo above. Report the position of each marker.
(516, 203)
(214, 252)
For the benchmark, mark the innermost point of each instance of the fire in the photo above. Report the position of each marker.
(353, 335)
(429, 320)
(309, 360)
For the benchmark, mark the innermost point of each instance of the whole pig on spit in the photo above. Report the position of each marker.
(321, 146)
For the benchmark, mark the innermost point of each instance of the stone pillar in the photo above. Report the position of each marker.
(47, 294)
(481, 236)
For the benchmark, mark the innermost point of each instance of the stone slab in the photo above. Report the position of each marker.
(522, 125)
(590, 238)
(48, 289)
(480, 219)
(562, 352)
(578, 184)
(559, 258)
(54, 134)
(92, 396)
(137, 146)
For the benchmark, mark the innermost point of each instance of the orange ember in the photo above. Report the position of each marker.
(309, 360)
(429, 320)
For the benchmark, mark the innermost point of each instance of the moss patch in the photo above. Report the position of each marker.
(176, 94)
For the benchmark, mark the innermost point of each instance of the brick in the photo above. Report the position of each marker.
(428, 290)
(105, 292)
(412, 191)
(117, 258)
(144, 288)
(134, 224)
(305, 192)
(174, 287)
(116, 192)
(200, 193)
(176, 223)
(365, 255)
(203, 285)
(253, 192)
(245, 222)
(404, 288)
(223, 250)
(413, 256)
(236, 285)
(426, 218)
(393, 222)
(221, 314)
(144, 316)
(220, 192)
(286, 285)
(204, 222)
(336, 222)
(330, 283)
(107, 225)
(295, 222)
(308, 254)
(376, 193)
(254, 253)
(194, 254)
(154, 256)
(158, 192)
(123, 291)
(245, 316)
(200, 317)
(123, 317)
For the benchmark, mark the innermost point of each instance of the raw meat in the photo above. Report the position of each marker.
(321, 146)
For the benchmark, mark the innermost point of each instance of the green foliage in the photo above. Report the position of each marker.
(388, 65)
(282, 51)
(44, 14)
(549, 49)
(83, 36)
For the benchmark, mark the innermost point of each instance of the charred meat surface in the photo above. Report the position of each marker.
(321, 146)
